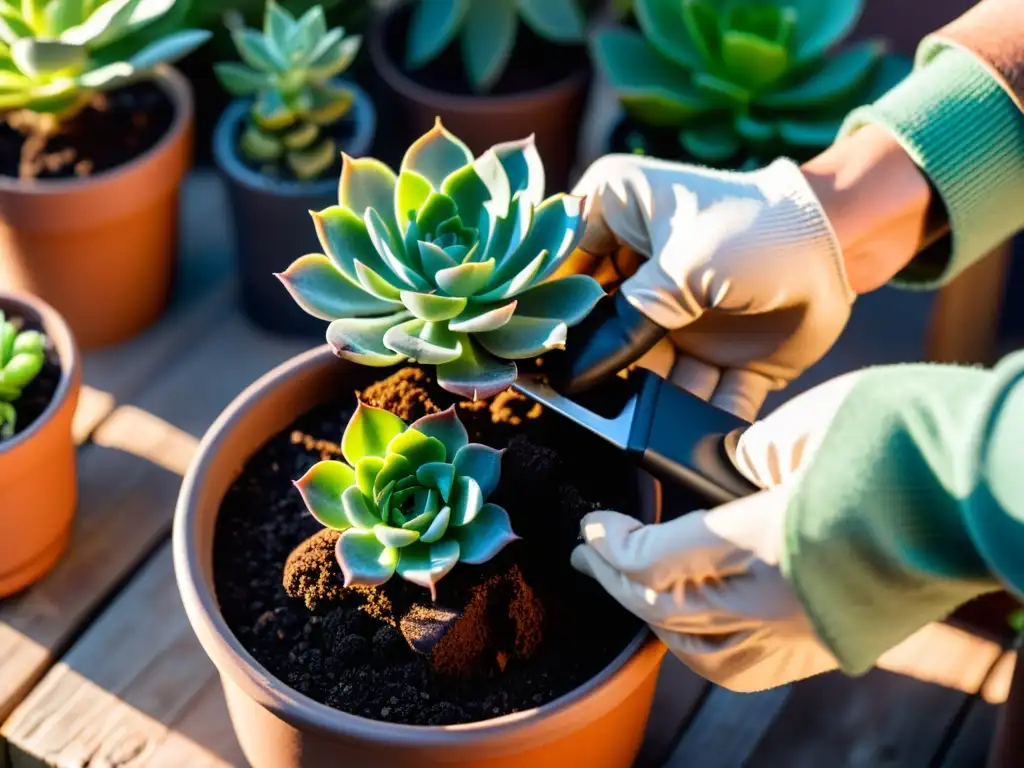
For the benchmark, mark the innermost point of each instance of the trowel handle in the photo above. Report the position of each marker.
(685, 441)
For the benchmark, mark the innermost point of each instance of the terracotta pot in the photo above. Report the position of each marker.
(37, 466)
(552, 113)
(598, 725)
(272, 222)
(101, 249)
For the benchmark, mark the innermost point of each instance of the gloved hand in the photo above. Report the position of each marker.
(742, 285)
(708, 583)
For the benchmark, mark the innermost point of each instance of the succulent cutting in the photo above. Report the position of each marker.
(411, 499)
(446, 263)
(22, 355)
(288, 69)
(744, 79)
(487, 32)
(56, 54)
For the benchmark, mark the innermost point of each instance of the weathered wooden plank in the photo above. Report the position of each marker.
(136, 690)
(896, 715)
(727, 728)
(128, 482)
(678, 695)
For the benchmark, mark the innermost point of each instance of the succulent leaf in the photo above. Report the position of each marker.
(477, 318)
(411, 192)
(557, 228)
(525, 337)
(558, 20)
(357, 511)
(488, 37)
(361, 339)
(465, 280)
(322, 488)
(837, 78)
(395, 537)
(427, 564)
(433, 27)
(345, 240)
(22, 357)
(467, 499)
(524, 169)
(446, 427)
(367, 469)
(320, 288)
(569, 299)
(366, 184)
(436, 154)
(368, 433)
(823, 24)
(364, 561)
(438, 526)
(485, 536)
(424, 342)
(438, 475)
(417, 447)
(480, 462)
(433, 306)
(477, 374)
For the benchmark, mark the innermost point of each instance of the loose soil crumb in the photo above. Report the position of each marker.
(113, 129)
(36, 397)
(528, 627)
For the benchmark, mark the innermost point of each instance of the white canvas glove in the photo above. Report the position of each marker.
(708, 583)
(744, 269)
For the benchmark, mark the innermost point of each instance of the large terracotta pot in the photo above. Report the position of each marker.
(271, 218)
(101, 249)
(38, 489)
(552, 113)
(599, 725)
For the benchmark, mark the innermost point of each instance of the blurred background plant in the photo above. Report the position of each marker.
(22, 355)
(739, 82)
(288, 69)
(487, 31)
(57, 54)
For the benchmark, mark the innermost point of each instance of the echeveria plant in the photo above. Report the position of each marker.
(487, 31)
(744, 77)
(288, 68)
(411, 499)
(21, 359)
(56, 54)
(446, 263)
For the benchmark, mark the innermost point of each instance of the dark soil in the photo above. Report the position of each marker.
(36, 397)
(535, 63)
(342, 131)
(502, 637)
(114, 129)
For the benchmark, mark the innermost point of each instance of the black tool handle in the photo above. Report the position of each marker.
(685, 441)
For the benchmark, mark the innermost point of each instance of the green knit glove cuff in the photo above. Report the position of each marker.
(956, 122)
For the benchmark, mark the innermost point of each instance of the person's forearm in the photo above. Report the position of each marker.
(879, 203)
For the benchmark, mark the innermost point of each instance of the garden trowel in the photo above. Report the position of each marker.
(674, 435)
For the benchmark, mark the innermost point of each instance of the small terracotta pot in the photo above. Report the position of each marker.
(272, 222)
(37, 466)
(598, 725)
(552, 113)
(101, 249)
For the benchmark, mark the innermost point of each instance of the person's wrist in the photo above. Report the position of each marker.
(878, 202)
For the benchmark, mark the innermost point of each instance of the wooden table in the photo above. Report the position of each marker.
(99, 667)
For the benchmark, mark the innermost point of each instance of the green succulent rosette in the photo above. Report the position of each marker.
(55, 54)
(288, 68)
(449, 262)
(411, 500)
(744, 77)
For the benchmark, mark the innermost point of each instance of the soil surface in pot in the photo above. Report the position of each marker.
(114, 129)
(502, 637)
(342, 132)
(535, 63)
(37, 395)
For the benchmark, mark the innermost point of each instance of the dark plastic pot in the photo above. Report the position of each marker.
(598, 725)
(272, 222)
(552, 113)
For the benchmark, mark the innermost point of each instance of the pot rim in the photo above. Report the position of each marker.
(236, 663)
(176, 87)
(226, 156)
(393, 75)
(59, 333)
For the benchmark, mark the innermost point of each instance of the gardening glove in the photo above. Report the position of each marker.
(709, 583)
(740, 286)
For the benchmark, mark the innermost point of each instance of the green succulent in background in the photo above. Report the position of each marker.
(288, 69)
(487, 32)
(56, 54)
(410, 499)
(446, 263)
(21, 359)
(753, 78)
